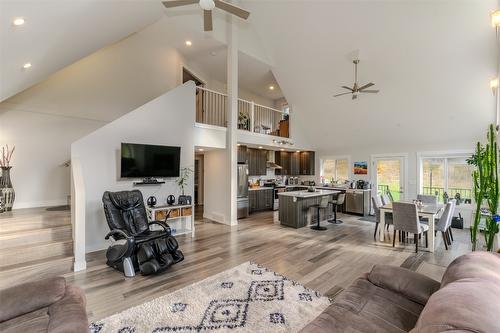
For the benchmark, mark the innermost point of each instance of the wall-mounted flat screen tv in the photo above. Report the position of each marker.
(141, 161)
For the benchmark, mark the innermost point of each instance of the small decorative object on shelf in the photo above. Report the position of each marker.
(152, 201)
(183, 200)
(170, 199)
(6, 190)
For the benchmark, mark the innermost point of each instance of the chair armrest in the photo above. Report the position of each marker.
(27, 297)
(165, 226)
(414, 286)
(69, 314)
(114, 232)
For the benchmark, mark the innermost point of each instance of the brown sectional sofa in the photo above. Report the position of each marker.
(393, 299)
(47, 305)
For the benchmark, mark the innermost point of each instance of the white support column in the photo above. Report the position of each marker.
(78, 215)
(232, 121)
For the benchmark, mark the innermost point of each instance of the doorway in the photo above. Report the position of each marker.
(389, 175)
(187, 75)
(198, 186)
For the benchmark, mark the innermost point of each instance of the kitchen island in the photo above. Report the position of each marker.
(294, 207)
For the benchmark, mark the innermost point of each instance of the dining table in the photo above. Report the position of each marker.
(427, 211)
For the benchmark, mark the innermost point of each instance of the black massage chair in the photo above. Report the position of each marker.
(144, 250)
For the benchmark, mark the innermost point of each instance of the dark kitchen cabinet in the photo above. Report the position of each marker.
(307, 163)
(295, 164)
(283, 159)
(257, 162)
(242, 154)
(261, 199)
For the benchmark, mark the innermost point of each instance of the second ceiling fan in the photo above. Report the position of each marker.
(208, 6)
(356, 89)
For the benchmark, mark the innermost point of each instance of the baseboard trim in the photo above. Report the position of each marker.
(37, 204)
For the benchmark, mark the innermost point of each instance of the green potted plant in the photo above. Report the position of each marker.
(182, 182)
(486, 189)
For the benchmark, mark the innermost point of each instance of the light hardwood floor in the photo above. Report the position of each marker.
(326, 261)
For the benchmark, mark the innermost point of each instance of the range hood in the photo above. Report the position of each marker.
(270, 164)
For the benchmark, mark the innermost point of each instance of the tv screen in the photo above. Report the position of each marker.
(140, 161)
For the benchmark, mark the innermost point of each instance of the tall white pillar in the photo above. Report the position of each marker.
(232, 120)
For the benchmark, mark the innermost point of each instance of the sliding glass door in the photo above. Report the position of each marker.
(389, 176)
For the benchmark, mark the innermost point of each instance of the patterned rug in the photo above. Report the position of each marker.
(246, 298)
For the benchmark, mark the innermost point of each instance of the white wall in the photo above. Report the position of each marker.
(215, 192)
(166, 120)
(42, 143)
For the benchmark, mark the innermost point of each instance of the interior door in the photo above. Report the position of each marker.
(389, 176)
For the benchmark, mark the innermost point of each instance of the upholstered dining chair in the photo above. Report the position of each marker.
(405, 217)
(377, 203)
(428, 199)
(385, 199)
(444, 223)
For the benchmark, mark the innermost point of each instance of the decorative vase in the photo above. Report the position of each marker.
(7, 191)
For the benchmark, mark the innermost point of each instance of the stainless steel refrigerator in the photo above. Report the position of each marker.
(242, 199)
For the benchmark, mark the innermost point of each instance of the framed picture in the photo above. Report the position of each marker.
(360, 168)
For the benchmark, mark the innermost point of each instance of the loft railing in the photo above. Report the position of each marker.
(211, 108)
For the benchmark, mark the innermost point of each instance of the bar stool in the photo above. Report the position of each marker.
(324, 203)
(336, 203)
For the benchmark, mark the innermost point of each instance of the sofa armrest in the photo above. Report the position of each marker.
(414, 286)
(69, 314)
(28, 297)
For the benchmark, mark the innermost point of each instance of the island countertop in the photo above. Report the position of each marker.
(307, 194)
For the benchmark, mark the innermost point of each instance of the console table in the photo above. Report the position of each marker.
(181, 219)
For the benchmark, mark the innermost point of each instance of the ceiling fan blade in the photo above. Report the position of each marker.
(345, 87)
(207, 20)
(178, 3)
(368, 85)
(354, 96)
(342, 94)
(232, 9)
(370, 91)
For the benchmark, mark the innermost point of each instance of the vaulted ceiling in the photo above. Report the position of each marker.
(57, 33)
(431, 60)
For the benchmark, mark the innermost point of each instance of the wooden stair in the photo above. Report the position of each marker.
(34, 244)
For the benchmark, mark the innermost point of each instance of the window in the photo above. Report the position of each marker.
(335, 170)
(446, 174)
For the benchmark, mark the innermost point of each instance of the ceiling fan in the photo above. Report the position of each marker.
(355, 90)
(208, 6)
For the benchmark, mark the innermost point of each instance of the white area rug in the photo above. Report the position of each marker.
(246, 298)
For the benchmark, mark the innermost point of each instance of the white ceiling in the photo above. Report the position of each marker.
(59, 32)
(432, 61)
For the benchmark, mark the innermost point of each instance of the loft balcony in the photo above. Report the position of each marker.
(211, 109)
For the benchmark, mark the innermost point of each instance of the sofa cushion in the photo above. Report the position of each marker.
(469, 304)
(365, 307)
(28, 297)
(480, 264)
(414, 286)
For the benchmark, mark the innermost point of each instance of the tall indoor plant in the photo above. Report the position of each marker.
(486, 188)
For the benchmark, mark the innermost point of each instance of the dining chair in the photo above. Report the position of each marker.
(377, 203)
(428, 199)
(385, 199)
(405, 219)
(444, 223)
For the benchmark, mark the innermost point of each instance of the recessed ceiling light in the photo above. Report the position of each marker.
(260, 147)
(201, 149)
(27, 65)
(298, 151)
(282, 149)
(238, 144)
(18, 21)
(189, 43)
(271, 87)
